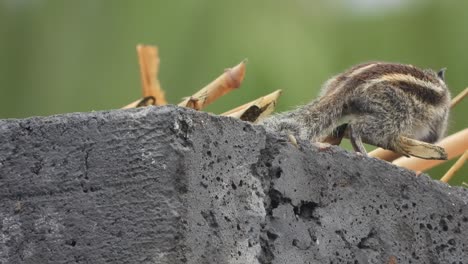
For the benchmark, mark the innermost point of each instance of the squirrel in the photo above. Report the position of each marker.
(390, 105)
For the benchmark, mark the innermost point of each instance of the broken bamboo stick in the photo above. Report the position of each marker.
(148, 58)
(449, 174)
(226, 82)
(257, 109)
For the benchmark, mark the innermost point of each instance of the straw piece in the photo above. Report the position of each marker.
(257, 109)
(148, 59)
(457, 99)
(448, 176)
(454, 145)
(132, 104)
(384, 154)
(149, 100)
(226, 82)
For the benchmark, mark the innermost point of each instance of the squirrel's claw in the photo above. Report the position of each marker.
(356, 141)
(293, 140)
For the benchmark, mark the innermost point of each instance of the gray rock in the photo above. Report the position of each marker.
(170, 185)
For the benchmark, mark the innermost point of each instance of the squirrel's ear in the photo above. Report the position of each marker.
(441, 73)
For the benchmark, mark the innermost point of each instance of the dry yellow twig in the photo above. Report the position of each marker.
(255, 110)
(148, 59)
(454, 145)
(448, 176)
(132, 104)
(384, 154)
(149, 100)
(459, 97)
(229, 80)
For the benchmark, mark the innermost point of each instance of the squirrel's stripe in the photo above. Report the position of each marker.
(380, 69)
(359, 70)
(425, 87)
(398, 77)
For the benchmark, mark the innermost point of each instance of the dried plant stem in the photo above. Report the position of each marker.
(457, 99)
(226, 82)
(148, 59)
(132, 104)
(390, 156)
(384, 154)
(255, 110)
(454, 145)
(149, 100)
(448, 176)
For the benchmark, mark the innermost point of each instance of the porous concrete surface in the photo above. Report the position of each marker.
(171, 185)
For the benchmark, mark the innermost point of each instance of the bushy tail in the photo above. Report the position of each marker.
(308, 122)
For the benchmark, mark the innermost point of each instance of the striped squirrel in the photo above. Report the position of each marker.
(394, 106)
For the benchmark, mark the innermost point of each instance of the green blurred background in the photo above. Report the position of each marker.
(78, 56)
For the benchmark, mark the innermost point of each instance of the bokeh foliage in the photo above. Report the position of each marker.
(68, 56)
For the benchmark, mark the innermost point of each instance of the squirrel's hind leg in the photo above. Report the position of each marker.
(356, 140)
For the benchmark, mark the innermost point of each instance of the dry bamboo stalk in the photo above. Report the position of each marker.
(262, 107)
(389, 155)
(448, 176)
(132, 104)
(148, 59)
(146, 101)
(384, 154)
(454, 145)
(459, 97)
(226, 82)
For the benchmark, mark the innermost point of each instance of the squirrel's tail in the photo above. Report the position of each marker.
(309, 122)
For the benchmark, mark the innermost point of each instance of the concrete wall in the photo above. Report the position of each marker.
(170, 185)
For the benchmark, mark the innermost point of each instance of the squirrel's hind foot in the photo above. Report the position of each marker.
(416, 148)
